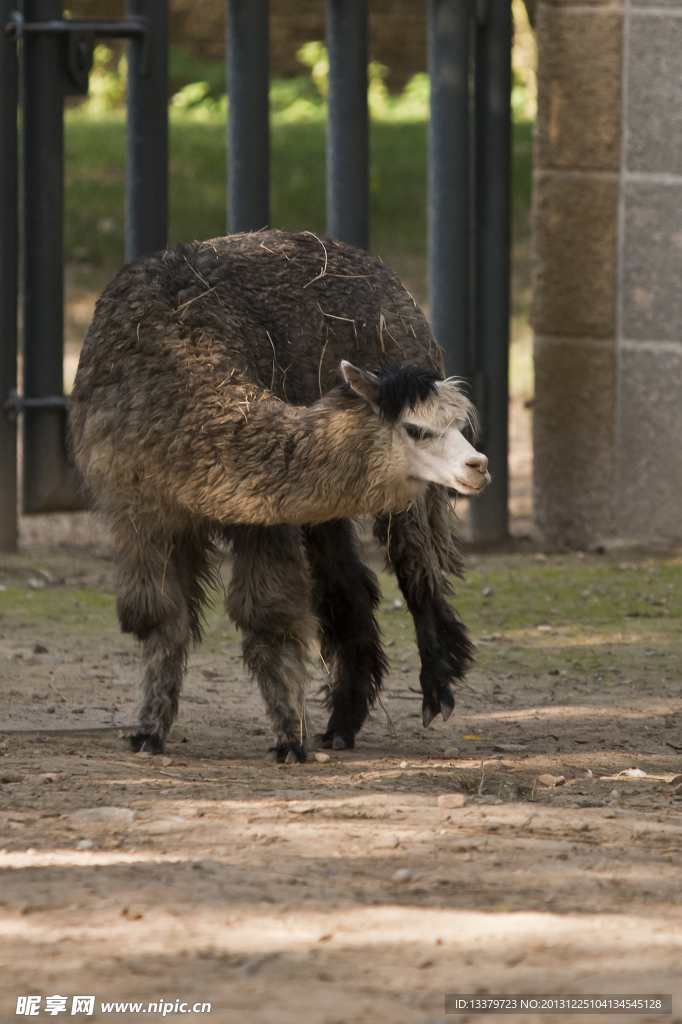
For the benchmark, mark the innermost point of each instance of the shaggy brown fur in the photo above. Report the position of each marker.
(206, 408)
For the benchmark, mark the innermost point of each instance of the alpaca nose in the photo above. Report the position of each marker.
(479, 462)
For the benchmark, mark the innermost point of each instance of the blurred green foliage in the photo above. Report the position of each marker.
(95, 142)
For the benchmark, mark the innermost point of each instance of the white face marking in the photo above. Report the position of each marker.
(436, 450)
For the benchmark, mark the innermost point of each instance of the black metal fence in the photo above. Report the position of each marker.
(44, 57)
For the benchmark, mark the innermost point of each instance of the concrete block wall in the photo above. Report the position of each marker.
(649, 310)
(607, 270)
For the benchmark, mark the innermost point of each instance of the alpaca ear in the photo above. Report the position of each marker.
(363, 383)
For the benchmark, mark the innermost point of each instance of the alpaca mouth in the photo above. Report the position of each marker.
(463, 490)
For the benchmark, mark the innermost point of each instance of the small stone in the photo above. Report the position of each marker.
(403, 764)
(401, 875)
(165, 761)
(209, 673)
(35, 584)
(48, 777)
(322, 758)
(632, 773)
(387, 843)
(51, 710)
(545, 629)
(424, 962)
(610, 814)
(397, 603)
(39, 649)
(553, 672)
(551, 780)
(77, 711)
(451, 800)
(85, 844)
(487, 591)
(291, 758)
(11, 777)
(451, 752)
(510, 748)
(175, 736)
(493, 763)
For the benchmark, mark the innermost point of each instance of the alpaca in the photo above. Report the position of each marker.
(214, 404)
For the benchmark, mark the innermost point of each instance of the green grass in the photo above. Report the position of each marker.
(95, 183)
(598, 594)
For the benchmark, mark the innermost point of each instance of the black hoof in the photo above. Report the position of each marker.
(438, 700)
(287, 753)
(146, 743)
(335, 740)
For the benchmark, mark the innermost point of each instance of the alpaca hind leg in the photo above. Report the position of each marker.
(159, 597)
(444, 646)
(269, 599)
(345, 596)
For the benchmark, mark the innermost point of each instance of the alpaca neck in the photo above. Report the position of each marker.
(286, 464)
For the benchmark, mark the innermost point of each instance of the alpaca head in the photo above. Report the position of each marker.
(426, 416)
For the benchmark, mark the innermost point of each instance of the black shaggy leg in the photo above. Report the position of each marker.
(345, 596)
(270, 601)
(160, 593)
(444, 647)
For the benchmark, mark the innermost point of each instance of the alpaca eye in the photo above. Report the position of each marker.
(418, 433)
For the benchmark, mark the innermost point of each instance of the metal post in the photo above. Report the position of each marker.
(348, 122)
(45, 484)
(489, 513)
(146, 213)
(9, 247)
(248, 77)
(448, 181)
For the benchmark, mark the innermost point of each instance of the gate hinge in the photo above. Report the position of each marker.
(15, 404)
(81, 35)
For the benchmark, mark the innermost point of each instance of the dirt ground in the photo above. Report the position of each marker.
(346, 891)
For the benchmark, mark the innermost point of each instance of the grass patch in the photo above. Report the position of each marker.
(95, 183)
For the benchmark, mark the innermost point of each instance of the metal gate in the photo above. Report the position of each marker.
(44, 57)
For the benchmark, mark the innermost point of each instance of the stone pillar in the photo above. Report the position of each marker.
(649, 311)
(607, 265)
(575, 217)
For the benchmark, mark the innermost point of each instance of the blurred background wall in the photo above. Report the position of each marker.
(607, 272)
(397, 31)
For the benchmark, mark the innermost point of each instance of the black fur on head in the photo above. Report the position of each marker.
(392, 389)
(402, 387)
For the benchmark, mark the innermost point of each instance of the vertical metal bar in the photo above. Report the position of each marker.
(489, 514)
(44, 58)
(448, 181)
(347, 122)
(248, 79)
(9, 252)
(146, 215)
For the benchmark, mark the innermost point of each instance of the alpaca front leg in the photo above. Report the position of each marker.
(444, 646)
(282, 677)
(269, 599)
(164, 658)
(345, 594)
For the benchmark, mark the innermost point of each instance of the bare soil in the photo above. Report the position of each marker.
(344, 891)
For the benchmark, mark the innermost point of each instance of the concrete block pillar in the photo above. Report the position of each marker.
(607, 266)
